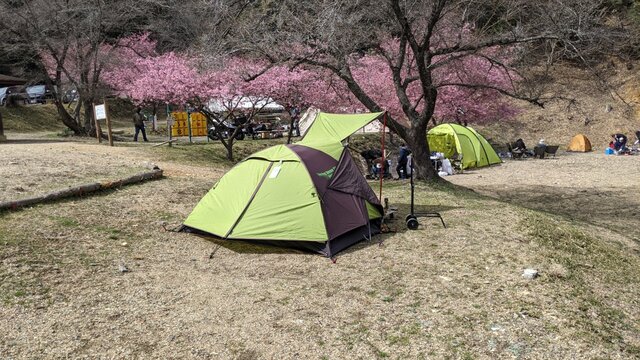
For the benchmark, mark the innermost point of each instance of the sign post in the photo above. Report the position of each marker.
(189, 125)
(106, 113)
(96, 114)
(100, 112)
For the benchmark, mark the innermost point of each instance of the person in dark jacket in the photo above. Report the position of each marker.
(138, 122)
(403, 155)
(619, 142)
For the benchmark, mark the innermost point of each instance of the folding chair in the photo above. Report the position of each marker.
(551, 150)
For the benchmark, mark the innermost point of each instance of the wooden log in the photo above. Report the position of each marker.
(155, 174)
(80, 190)
(165, 142)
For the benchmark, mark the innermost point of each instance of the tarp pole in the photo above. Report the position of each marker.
(384, 160)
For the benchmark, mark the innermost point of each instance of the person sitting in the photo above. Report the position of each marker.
(619, 142)
(381, 167)
(539, 149)
(637, 136)
(369, 156)
(251, 130)
(519, 149)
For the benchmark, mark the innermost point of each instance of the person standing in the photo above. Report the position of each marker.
(138, 122)
(294, 112)
(403, 155)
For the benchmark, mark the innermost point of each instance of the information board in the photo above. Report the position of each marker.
(182, 121)
(101, 112)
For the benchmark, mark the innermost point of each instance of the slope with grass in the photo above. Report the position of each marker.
(44, 118)
(583, 107)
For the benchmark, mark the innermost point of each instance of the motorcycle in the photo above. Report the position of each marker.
(226, 128)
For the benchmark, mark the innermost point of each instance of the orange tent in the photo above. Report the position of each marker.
(579, 143)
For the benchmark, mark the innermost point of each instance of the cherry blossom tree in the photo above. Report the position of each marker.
(71, 43)
(427, 59)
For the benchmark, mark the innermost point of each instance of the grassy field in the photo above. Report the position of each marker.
(430, 293)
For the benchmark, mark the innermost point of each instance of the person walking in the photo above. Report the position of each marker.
(403, 155)
(138, 122)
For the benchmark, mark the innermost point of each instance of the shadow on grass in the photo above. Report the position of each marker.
(257, 247)
(615, 209)
(253, 247)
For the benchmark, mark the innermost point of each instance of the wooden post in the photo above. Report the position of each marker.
(384, 158)
(2, 137)
(95, 118)
(109, 134)
(189, 124)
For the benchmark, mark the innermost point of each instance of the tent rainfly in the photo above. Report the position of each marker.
(452, 139)
(309, 195)
(579, 143)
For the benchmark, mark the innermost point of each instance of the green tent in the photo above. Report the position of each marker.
(308, 195)
(454, 139)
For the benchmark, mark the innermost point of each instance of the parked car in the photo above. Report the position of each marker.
(3, 95)
(14, 94)
(38, 94)
(70, 96)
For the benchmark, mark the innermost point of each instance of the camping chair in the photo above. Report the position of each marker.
(516, 154)
(551, 150)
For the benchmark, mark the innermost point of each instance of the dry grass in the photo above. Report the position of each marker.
(560, 120)
(430, 293)
(30, 169)
(29, 118)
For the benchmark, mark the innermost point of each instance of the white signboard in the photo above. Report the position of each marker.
(101, 112)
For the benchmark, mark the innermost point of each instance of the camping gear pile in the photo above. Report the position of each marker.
(309, 195)
(618, 146)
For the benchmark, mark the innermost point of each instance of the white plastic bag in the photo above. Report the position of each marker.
(446, 167)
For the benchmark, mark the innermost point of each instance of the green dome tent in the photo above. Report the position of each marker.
(308, 195)
(451, 139)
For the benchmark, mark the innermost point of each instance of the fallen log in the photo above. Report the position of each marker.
(165, 142)
(80, 190)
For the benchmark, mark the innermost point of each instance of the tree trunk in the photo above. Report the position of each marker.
(68, 120)
(155, 116)
(229, 146)
(89, 125)
(420, 153)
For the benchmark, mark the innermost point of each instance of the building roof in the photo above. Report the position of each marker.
(6, 80)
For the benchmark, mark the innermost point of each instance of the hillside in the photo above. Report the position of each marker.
(44, 118)
(596, 112)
